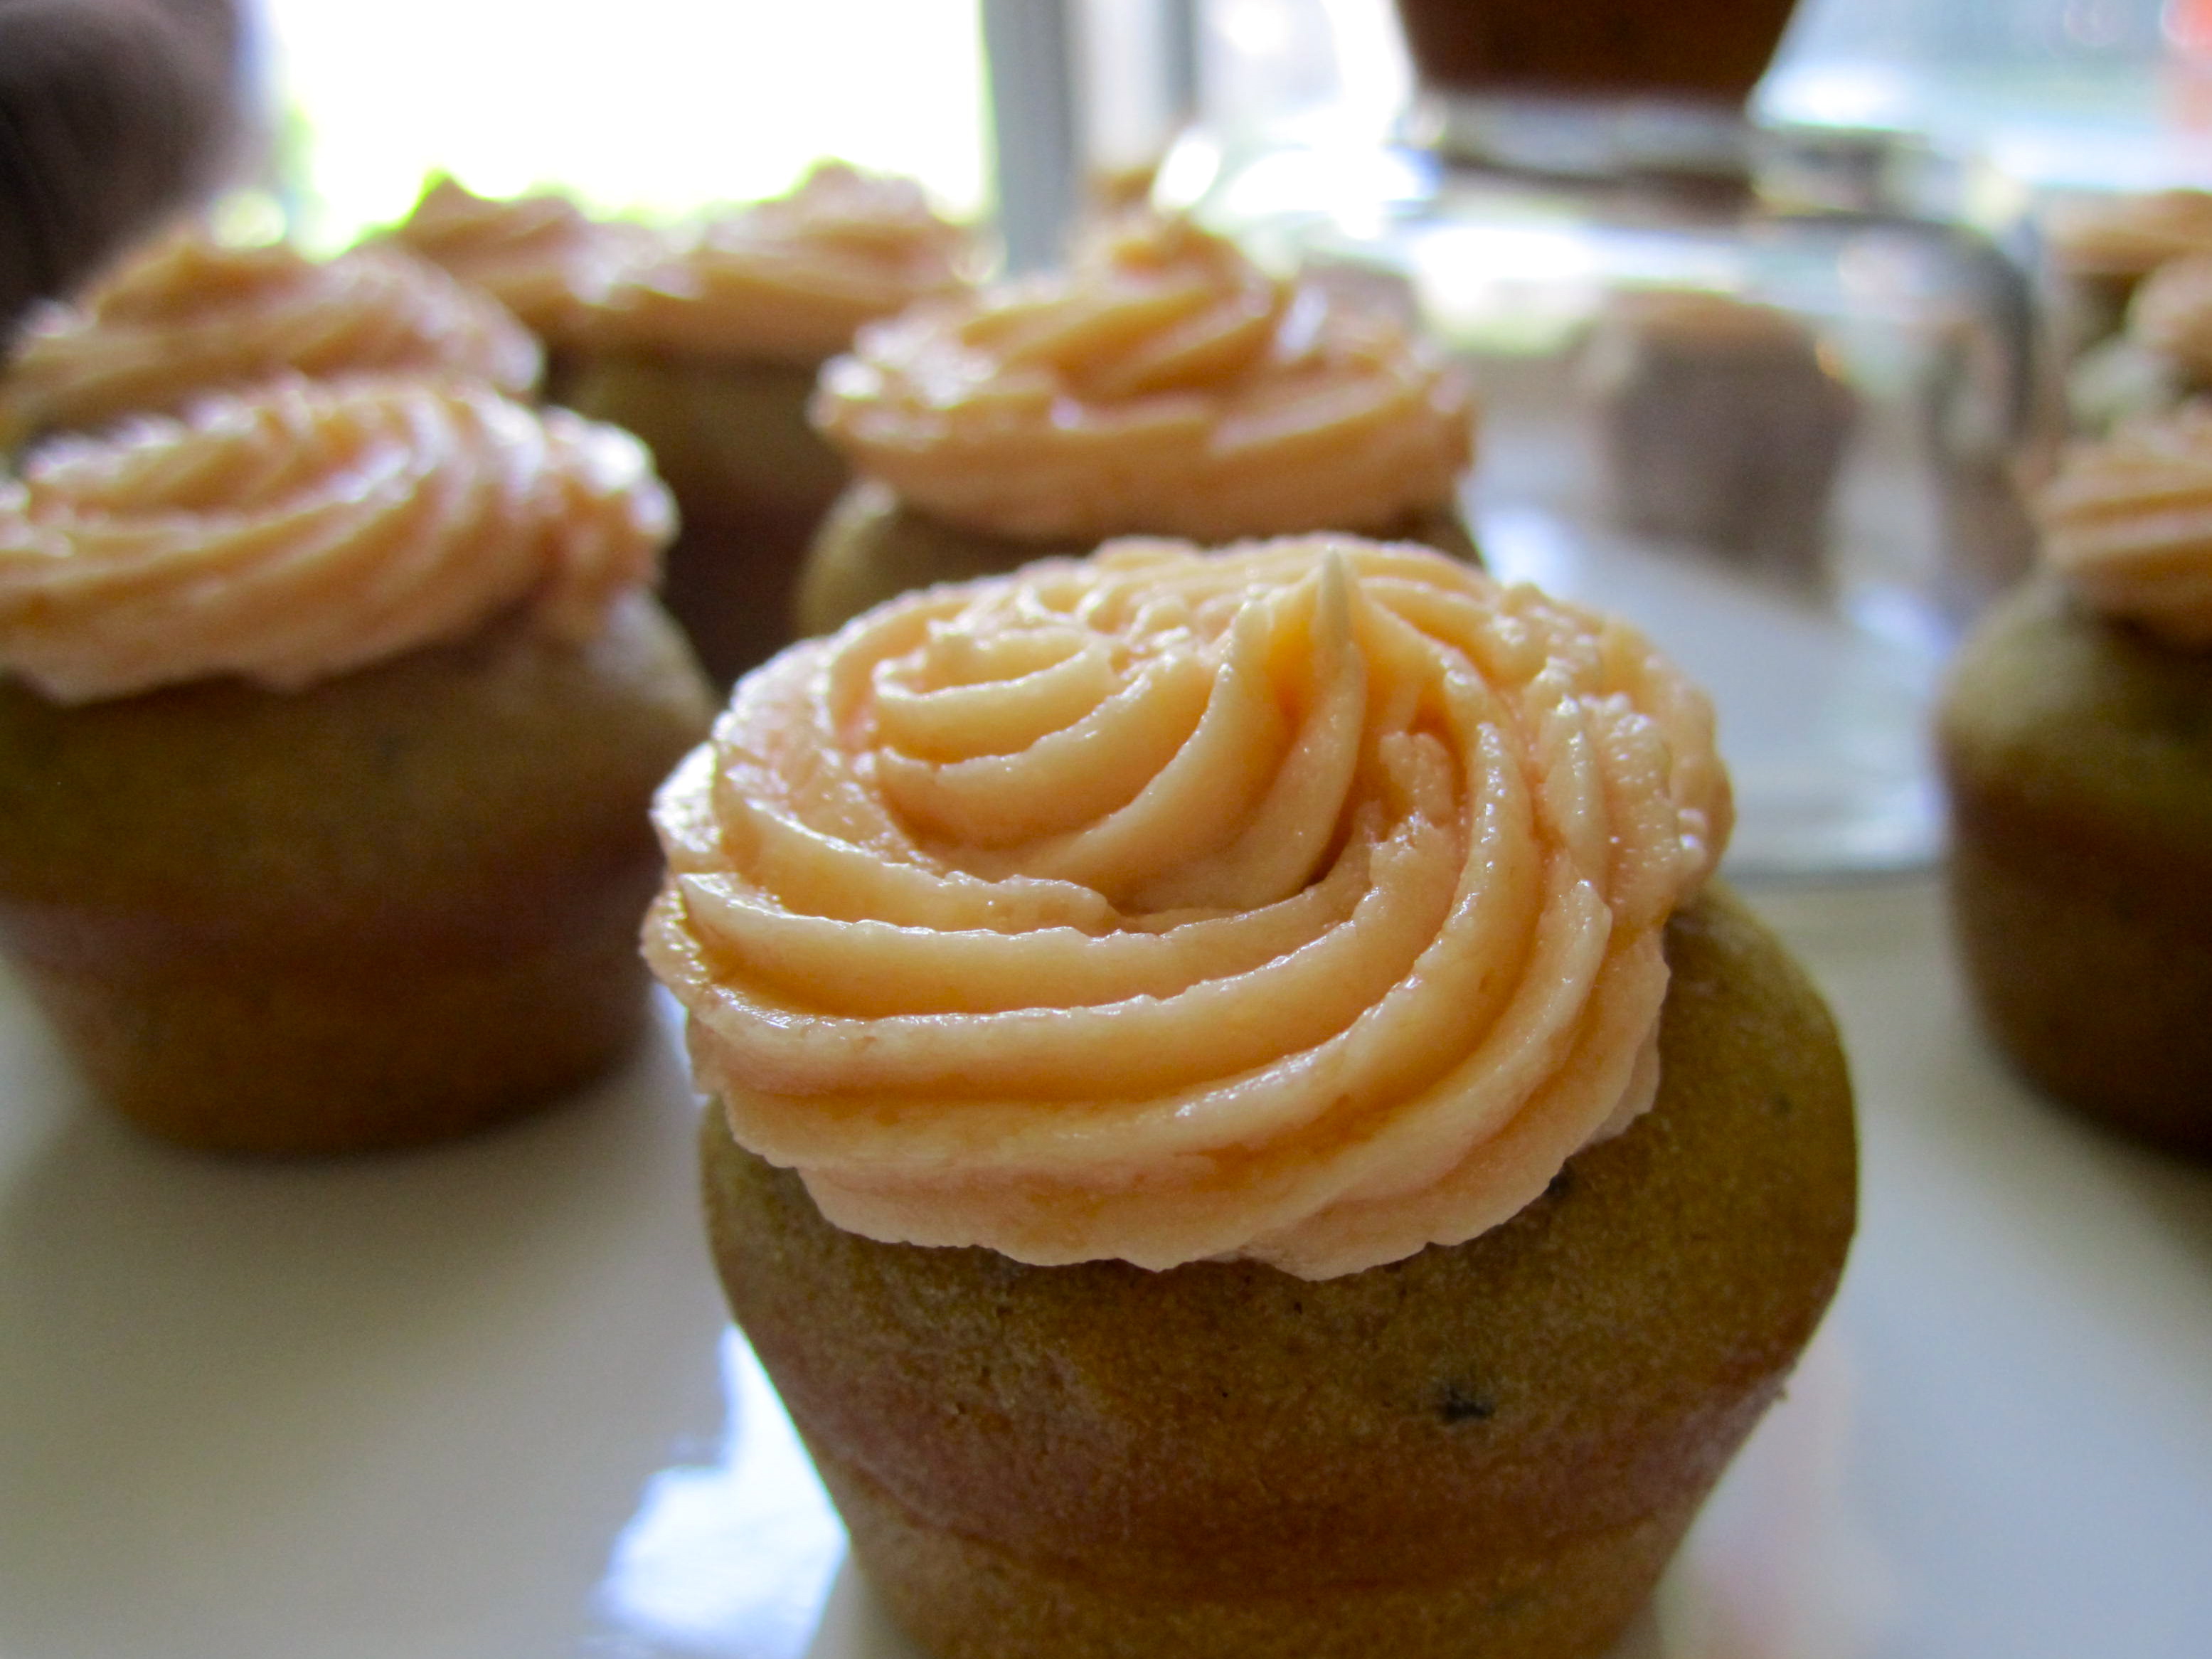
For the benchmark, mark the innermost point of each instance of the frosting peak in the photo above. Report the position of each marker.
(789, 280)
(540, 256)
(1301, 901)
(310, 528)
(1165, 383)
(2127, 524)
(190, 315)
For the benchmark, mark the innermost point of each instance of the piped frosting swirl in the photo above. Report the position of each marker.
(2127, 524)
(1164, 384)
(2172, 314)
(1301, 901)
(190, 315)
(788, 280)
(541, 256)
(311, 528)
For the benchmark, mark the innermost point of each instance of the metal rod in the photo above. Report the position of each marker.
(1030, 48)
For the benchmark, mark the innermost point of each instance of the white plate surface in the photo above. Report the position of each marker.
(482, 1403)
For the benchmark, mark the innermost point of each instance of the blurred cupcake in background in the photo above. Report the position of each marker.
(329, 714)
(541, 256)
(2161, 356)
(187, 315)
(2076, 739)
(1164, 384)
(2100, 247)
(709, 352)
(1722, 423)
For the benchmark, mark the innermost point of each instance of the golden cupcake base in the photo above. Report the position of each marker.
(393, 906)
(2078, 756)
(279, 1057)
(751, 481)
(1486, 1450)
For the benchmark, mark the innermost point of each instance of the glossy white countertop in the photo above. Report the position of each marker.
(482, 1403)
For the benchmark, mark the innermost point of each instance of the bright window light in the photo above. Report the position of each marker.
(655, 106)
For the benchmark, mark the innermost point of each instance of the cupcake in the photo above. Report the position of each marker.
(2161, 358)
(1239, 1126)
(188, 315)
(2100, 247)
(2076, 738)
(1720, 422)
(709, 353)
(1162, 385)
(328, 719)
(541, 256)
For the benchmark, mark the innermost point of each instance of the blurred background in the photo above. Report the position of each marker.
(690, 102)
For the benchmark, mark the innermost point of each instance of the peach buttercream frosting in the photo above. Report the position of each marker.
(1165, 383)
(789, 280)
(2127, 235)
(2172, 314)
(2127, 524)
(540, 255)
(293, 534)
(191, 315)
(1301, 901)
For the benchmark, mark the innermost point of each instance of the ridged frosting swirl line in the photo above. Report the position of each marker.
(188, 316)
(310, 529)
(1327, 1058)
(541, 256)
(1164, 384)
(2127, 524)
(787, 280)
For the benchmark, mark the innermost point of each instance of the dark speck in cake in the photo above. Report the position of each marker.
(1463, 1402)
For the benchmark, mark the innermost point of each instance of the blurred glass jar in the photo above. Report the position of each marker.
(1766, 392)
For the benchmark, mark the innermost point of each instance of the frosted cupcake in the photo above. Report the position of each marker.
(189, 315)
(1150, 1005)
(541, 256)
(2162, 358)
(709, 353)
(328, 717)
(2101, 248)
(1164, 384)
(2076, 735)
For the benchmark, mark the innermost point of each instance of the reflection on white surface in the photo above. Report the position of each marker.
(856, 1626)
(1780, 1563)
(483, 1403)
(732, 1557)
(384, 1407)
(2029, 1308)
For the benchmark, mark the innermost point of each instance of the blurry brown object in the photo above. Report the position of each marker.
(1702, 49)
(1721, 422)
(2102, 247)
(112, 114)
(2078, 757)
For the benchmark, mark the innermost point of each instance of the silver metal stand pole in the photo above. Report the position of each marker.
(1179, 63)
(1030, 46)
